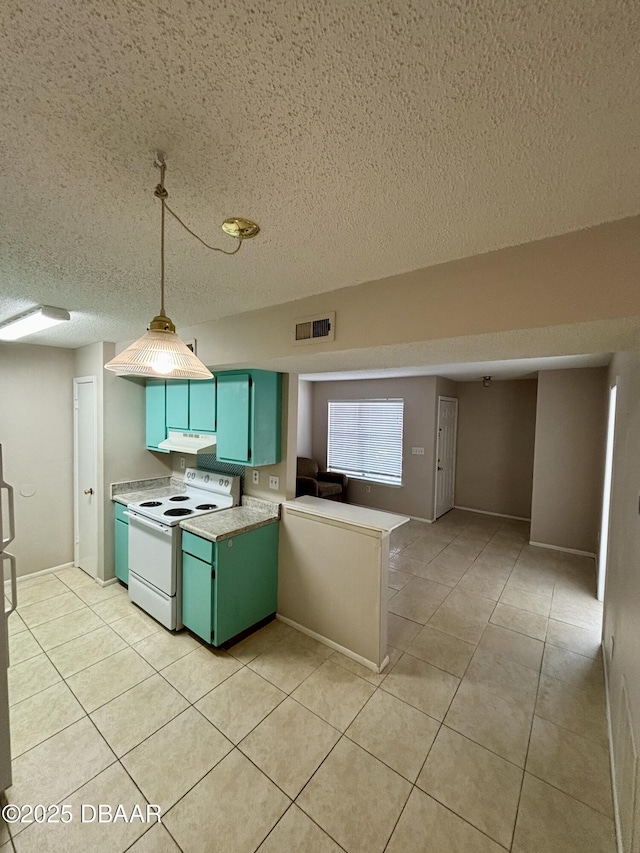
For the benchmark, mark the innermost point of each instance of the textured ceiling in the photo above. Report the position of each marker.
(367, 139)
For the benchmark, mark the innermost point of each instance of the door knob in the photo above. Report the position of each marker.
(88, 491)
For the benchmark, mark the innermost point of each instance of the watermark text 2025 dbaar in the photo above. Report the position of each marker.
(85, 813)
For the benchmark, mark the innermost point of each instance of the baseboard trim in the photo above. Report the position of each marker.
(45, 571)
(418, 518)
(106, 583)
(612, 761)
(333, 645)
(564, 550)
(496, 514)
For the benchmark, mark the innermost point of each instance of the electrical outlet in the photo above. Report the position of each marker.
(417, 451)
(274, 483)
(182, 463)
(256, 476)
(367, 489)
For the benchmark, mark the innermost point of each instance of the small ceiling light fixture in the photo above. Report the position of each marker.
(486, 381)
(161, 353)
(34, 320)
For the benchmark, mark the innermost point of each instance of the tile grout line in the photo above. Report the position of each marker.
(342, 735)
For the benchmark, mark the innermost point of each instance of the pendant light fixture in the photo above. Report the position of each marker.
(161, 354)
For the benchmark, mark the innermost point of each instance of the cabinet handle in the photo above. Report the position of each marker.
(88, 491)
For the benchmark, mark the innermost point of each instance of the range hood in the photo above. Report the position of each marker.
(189, 442)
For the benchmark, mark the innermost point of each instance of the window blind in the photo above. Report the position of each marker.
(365, 439)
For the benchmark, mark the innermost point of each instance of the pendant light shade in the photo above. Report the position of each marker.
(160, 353)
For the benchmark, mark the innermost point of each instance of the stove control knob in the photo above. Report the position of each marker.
(206, 478)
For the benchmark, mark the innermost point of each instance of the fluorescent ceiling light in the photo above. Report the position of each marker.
(32, 321)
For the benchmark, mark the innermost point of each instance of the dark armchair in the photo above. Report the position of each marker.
(319, 484)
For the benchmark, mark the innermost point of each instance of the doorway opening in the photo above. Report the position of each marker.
(606, 497)
(85, 486)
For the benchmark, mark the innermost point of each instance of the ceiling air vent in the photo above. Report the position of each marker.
(311, 330)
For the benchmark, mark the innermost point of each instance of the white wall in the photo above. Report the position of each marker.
(36, 433)
(415, 496)
(568, 465)
(465, 308)
(622, 595)
(496, 433)
(305, 418)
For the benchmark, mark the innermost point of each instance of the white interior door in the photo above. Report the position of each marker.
(446, 454)
(86, 496)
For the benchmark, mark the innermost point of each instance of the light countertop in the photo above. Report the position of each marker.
(214, 526)
(148, 494)
(348, 514)
(230, 522)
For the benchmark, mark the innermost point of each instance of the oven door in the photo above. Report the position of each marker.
(153, 552)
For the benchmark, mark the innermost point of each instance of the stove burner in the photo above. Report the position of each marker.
(207, 506)
(151, 503)
(180, 498)
(178, 511)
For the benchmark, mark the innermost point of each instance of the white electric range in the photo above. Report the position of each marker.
(155, 584)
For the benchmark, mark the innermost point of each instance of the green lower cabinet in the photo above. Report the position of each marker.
(122, 550)
(230, 585)
(198, 590)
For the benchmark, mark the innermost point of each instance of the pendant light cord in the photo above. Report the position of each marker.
(193, 234)
(163, 195)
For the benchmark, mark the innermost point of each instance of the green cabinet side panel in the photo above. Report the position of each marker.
(120, 510)
(156, 430)
(246, 581)
(266, 417)
(178, 404)
(122, 550)
(202, 405)
(197, 596)
(234, 393)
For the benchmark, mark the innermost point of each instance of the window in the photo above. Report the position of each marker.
(365, 439)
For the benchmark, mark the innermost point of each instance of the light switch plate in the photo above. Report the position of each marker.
(417, 451)
(256, 476)
(274, 483)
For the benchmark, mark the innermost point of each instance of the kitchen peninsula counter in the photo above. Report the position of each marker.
(333, 575)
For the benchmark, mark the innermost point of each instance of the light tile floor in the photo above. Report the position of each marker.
(486, 733)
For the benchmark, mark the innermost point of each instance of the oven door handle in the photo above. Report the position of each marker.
(145, 522)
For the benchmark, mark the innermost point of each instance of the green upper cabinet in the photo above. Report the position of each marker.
(244, 408)
(202, 405)
(156, 426)
(178, 404)
(249, 416)
(191, 405)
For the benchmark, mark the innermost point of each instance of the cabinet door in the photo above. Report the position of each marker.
(197, 596)
(234, 408)
(122, 551)
(178, 404)
(156, 430)
(202, 405)
(246, 581)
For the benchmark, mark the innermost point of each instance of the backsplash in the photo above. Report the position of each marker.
(210, 462)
